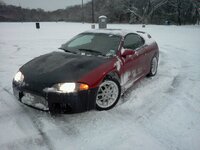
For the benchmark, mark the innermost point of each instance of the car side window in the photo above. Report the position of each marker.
(133, 41)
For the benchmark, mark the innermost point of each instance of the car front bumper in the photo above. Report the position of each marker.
(56, 102)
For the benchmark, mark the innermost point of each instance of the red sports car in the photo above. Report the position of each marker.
(94, 69)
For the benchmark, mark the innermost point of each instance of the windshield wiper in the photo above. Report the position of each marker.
(66, 50)
(91, 50)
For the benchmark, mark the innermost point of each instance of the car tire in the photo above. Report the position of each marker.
(154, 67)
(108, 94)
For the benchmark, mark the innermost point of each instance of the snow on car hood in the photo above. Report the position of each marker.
(58, 67)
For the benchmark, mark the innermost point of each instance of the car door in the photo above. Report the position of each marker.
(141, 50)
(133, 65)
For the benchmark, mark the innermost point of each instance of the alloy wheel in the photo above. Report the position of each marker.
(107, 94)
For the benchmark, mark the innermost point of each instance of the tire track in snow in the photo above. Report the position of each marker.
(35, 122)
(36, 138)
(17, 48)
(175, 84)
(148, 103)
(133, 95)
(153, 108)
(23, 144)
(6, 103)
(167, 46)
(38, 126)
(55, 127)
(8, 91)
(162, 58)
(33, 116)
(64, 124)
(152, 105)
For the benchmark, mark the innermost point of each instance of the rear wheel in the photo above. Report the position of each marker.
(154, 66)
(108, 94)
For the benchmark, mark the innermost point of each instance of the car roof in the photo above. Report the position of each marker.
(120, 32)
(123, 32)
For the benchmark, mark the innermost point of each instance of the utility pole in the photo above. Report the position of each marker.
(179, 12)
(92, 11)
(21, 15)
(82, 13)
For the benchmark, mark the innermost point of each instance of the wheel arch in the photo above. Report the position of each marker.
(113, 75)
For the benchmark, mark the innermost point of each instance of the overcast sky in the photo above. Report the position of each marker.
(45, 4)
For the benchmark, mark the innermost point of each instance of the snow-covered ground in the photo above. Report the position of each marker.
(161, 113)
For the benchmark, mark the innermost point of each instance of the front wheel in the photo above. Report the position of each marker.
(108, 94)
(154, 66)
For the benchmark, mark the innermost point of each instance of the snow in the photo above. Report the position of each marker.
(123, 33)
(118, 64)
(147, 38)
(38, 102)
(102, 16)
(162, 112)
(112, 31)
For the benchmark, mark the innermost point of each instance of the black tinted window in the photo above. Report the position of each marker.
(133, 41)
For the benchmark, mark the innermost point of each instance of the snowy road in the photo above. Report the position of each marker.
(161, 113)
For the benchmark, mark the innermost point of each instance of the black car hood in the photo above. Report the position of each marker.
(58, 67)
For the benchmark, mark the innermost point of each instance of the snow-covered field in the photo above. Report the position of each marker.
(161, 113)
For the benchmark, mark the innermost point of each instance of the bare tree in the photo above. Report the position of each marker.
(196, 4)
(148, 9)
(177, 4)
(2, 2)
(185, 10)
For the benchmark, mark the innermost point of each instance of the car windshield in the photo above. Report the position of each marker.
(93, 43)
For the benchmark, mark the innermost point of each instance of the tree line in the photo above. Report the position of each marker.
(118, 11)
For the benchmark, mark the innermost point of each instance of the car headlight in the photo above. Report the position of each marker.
(19, 77)
(66, 87)
(69, 87)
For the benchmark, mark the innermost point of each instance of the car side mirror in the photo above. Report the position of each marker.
(127, 52)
